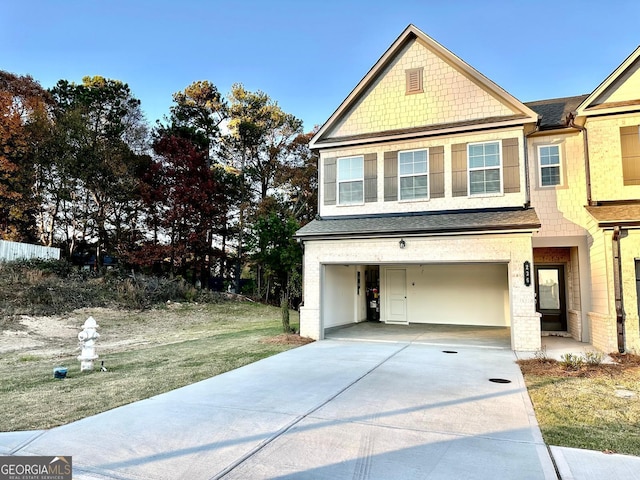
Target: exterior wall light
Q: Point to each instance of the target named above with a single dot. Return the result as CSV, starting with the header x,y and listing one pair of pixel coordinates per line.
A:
x,y
402,243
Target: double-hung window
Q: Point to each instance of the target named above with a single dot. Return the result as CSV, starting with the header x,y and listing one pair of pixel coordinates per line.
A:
x,y
549,164
413,167
485,168
350,180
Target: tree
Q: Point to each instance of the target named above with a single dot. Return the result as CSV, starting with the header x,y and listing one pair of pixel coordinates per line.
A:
x,y
279,254
101,139
186,199
297,179
24,126
200,108
259,144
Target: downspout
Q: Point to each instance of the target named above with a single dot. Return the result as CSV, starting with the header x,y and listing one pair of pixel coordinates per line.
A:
x,y
527,183
587,165
617,287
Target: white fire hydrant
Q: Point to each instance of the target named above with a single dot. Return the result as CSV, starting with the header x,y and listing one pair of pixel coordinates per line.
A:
x,y
88,337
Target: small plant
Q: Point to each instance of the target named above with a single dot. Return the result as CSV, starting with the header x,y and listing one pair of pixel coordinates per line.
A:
x,y
570,361
593,358
541,354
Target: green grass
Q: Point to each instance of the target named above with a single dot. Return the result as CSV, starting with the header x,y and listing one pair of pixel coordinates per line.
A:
x,y
583,411
170,348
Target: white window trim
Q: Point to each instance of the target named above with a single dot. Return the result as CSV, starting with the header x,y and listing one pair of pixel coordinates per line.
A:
x,y
540,166
400,176
338,182
477,169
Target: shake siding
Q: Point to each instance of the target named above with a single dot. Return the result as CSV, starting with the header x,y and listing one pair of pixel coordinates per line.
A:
x,y
330,181
436,172
459,169
511,165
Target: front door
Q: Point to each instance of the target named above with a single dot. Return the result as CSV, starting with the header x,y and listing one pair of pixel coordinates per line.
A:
x,y
550,297
397,295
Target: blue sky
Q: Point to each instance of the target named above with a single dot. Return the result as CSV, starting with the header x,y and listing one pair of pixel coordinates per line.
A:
x,y
309,55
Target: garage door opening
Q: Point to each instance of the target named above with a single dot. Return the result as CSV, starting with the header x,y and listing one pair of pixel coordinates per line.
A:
x,y
473,294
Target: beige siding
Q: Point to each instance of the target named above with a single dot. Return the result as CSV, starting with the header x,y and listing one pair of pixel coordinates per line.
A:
x,y
625,88
449,96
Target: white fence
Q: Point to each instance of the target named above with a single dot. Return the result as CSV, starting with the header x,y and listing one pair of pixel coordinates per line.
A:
x,y
14,251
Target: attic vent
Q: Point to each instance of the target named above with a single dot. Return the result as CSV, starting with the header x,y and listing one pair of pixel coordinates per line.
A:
x,y
414,80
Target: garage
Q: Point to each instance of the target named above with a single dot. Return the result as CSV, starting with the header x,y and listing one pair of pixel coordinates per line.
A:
x,y
453,294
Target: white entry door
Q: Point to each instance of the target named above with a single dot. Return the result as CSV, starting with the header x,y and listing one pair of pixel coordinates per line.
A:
x,y
396,286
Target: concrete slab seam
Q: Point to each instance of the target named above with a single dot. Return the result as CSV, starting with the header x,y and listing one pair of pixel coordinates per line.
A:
x,y
555,464
297,420
27,442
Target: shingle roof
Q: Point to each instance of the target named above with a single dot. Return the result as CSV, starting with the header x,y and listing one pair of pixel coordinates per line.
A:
x,y
451,222
554,112
611,215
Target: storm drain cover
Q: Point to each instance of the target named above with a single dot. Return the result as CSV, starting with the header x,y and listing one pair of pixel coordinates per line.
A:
x,y
499,380
449,351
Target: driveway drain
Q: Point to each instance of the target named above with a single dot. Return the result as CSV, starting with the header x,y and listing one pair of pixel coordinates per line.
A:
x,y
499,380
449,351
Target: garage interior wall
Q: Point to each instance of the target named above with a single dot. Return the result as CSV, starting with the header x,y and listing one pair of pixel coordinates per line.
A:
x,y
460,294
339,295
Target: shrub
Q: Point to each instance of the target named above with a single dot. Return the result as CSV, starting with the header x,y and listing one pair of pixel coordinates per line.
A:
x,y
593,358
570,361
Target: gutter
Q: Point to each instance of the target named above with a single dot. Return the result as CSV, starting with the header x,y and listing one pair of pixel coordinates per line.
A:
x,y
617,287
587,166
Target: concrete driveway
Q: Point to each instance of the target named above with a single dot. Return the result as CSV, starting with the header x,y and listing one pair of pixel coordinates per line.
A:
x,y
333,409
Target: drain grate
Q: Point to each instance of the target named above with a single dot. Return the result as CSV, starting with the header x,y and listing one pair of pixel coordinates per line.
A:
x,y
449,351
499,380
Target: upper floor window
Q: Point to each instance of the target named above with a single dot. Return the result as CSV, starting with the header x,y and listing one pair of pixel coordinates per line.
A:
x,y
485,168
413,167
549,165
630,148
350,180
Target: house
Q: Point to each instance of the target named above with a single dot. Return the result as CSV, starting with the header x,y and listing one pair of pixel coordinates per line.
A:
x,y
459,204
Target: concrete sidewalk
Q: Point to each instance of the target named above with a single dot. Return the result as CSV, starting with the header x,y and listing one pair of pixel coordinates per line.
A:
x,y
331,409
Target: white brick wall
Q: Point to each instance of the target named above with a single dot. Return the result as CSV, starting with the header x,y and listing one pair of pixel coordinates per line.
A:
x,y
511,249
448,202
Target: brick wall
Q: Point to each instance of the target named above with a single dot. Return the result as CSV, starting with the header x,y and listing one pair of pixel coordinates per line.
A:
x,y
513,250
448,202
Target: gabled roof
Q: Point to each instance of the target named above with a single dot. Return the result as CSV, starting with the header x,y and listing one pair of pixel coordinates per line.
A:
x,y
595,104
430,223
521,113
554,113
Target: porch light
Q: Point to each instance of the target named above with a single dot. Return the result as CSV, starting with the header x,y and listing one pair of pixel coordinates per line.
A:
x,y
402,243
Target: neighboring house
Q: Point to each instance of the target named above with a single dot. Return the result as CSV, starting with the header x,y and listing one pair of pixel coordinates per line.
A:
x,y
463,205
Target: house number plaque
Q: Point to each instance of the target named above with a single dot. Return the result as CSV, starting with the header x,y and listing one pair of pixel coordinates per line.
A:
x,y
527,274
